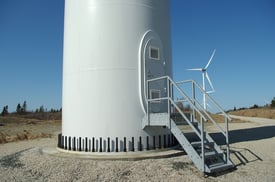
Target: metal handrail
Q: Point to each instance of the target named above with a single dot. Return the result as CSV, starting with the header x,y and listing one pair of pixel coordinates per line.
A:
x,y
196,106
226,116
179,110
168,98
207,95
178,88
210,118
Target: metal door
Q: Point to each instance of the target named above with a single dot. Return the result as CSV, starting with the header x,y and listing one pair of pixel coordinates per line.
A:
x,y
153,64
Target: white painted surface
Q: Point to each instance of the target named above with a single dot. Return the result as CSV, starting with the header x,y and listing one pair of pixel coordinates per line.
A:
x,y
102,65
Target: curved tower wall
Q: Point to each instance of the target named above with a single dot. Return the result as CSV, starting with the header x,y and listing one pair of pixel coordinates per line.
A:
x,y
110,49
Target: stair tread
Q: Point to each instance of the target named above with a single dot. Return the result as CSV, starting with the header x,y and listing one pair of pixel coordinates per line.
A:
x,y
198,143
209,154
221,167
218,164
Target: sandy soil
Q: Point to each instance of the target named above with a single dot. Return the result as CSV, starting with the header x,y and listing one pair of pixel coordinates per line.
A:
x,y
252,151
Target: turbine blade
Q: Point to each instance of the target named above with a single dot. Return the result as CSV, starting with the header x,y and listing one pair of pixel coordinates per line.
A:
x,y
211,91
195,69
210,59
209,81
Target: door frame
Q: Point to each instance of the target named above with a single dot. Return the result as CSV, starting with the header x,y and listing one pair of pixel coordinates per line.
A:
x,y
147,37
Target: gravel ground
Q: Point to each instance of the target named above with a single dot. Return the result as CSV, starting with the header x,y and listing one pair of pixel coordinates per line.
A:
x,y
253,152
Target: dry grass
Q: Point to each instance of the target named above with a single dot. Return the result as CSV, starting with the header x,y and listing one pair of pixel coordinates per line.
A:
x,y
259,112
43,125
220,119
27,127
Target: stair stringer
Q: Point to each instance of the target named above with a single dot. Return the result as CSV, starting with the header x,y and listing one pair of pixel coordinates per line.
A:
x,y
186,145
161,119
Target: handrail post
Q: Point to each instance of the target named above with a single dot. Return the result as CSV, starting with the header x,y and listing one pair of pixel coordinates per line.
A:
x,y
202,143
193,97
168,102
171,95
148,117
227,141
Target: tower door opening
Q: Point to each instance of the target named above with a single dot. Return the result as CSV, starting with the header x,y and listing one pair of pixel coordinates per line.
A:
x,y
153,66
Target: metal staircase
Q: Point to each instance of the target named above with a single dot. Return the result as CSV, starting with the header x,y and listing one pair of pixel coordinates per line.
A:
x,y
207,156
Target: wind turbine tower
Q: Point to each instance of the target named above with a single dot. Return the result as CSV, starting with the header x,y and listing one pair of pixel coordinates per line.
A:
x,y
205,75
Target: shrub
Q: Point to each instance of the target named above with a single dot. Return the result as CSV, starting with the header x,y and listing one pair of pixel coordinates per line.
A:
x,y
273,102
5,111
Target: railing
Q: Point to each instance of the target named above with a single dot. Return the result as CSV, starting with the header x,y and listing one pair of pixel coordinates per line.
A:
x,y
197,109
195,86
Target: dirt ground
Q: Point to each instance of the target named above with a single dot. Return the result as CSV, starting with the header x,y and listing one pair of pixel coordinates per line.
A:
x,y
252,151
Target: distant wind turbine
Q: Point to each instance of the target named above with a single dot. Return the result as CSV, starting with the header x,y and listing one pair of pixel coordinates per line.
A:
x,y
205,75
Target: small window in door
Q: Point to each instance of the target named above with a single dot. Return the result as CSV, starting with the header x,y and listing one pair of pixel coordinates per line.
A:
x,y
155,94
154,53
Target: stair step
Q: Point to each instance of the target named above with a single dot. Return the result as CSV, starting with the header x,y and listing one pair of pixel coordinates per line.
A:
x,y
220,167
217,164
211,154
198,144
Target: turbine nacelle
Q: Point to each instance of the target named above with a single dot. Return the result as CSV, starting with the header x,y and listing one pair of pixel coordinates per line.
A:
x,y
205,75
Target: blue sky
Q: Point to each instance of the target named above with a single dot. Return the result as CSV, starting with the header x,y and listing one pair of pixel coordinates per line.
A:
x,y
242,31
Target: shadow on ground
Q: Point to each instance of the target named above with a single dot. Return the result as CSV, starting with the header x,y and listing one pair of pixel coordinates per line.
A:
x,y
242,135
244,156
